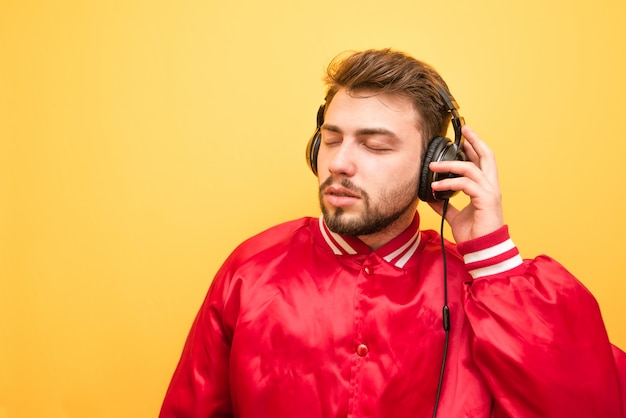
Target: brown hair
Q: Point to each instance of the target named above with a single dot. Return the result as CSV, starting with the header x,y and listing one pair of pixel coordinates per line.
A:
x,y
395,73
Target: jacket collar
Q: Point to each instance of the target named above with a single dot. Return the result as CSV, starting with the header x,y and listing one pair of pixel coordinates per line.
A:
x,y
397,251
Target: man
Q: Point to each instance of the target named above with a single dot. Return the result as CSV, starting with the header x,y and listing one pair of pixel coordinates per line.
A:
x,y
341,316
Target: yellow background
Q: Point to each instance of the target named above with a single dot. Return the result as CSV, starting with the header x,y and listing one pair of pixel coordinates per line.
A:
x,y
142,140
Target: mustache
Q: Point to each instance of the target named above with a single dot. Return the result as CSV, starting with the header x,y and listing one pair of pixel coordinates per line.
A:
x,y
345,183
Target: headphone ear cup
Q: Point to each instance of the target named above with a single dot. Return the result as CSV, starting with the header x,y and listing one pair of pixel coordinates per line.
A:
x,y
439,149
435,149
312,149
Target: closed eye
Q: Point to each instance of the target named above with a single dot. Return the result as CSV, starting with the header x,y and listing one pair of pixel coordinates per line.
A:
x,y
331,140
377,140
376,146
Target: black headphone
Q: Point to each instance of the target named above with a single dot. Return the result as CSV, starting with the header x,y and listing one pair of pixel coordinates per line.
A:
x,y
439,149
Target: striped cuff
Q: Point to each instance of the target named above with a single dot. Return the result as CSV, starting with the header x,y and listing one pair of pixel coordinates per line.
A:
x,y
491,254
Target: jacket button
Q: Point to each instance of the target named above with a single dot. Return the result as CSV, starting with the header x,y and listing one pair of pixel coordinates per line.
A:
x,y
362,350
368,271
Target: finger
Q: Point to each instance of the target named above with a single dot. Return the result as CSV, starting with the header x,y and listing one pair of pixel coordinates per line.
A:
x,y
471,179
478,147
461,168
463,184
469,150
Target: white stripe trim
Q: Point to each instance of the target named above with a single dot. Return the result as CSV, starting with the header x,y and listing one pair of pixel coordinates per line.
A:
x,y
343,243
338,238
506,265
400,250
406,257
327,239
490,252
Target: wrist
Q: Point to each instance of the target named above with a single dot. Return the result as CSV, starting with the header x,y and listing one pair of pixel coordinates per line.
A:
x,y
493,253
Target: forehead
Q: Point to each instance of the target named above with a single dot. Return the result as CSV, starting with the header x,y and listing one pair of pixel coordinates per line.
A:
x,y
365,108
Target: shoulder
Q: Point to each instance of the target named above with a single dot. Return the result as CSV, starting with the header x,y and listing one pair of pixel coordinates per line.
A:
x,y
274,239
261,253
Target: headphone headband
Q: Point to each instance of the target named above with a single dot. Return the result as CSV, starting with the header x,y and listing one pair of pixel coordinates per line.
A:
x,y
453,108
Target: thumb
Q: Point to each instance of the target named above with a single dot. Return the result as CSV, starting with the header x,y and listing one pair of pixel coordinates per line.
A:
x,y
451,211
437,206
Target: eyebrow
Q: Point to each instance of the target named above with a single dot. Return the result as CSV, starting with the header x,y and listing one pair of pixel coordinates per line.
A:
x,y
362,131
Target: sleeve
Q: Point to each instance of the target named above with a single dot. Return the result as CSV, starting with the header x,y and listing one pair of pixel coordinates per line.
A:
x,y
538,336
199,387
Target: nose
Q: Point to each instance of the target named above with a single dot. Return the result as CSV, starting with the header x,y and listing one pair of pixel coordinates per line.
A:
x,y
342,160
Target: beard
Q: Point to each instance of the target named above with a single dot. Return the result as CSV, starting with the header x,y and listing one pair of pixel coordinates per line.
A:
x,y
392,204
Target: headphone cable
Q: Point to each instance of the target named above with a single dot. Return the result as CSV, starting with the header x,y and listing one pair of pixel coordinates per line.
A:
x,y
445,311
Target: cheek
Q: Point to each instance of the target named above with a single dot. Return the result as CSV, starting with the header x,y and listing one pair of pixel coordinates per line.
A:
x,y
400,172
413,168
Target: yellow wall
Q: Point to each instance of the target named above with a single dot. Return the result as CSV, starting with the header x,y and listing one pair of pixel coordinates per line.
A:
x,y
142,140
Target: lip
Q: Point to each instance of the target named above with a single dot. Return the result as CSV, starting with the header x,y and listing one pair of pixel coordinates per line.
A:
x,y
340,196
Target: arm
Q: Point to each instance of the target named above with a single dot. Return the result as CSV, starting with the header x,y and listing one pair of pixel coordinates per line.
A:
x,y
200,384
539,339
538,336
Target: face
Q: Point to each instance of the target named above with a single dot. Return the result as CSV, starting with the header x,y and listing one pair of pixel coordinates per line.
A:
x,y
369,163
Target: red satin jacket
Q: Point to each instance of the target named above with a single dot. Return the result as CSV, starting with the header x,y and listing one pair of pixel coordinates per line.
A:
x,y
302,322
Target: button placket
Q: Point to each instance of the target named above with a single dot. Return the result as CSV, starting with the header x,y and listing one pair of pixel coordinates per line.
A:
x,y
362,349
